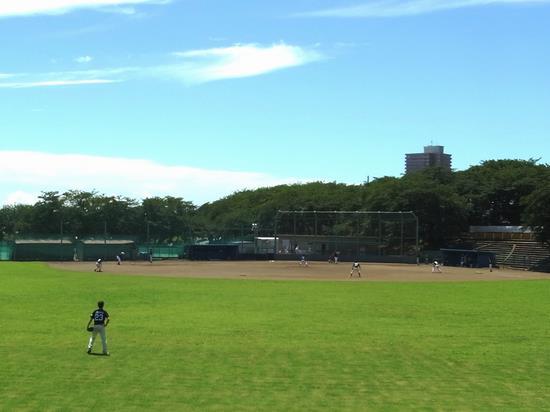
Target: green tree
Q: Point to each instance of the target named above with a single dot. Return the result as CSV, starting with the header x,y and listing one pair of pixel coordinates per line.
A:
x,y
15,220
537,211
494,190
168,219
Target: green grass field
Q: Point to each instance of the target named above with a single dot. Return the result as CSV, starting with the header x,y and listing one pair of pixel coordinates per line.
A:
x,y
194,344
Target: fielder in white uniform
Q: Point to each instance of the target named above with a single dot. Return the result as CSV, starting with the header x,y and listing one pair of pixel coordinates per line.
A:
x,y
355,267
436,267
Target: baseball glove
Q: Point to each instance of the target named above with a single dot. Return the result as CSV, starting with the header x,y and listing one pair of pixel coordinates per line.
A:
x,y
90,329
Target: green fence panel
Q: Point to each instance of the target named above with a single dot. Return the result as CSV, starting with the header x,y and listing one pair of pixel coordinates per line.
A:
x,y
44,251
162,251
6,251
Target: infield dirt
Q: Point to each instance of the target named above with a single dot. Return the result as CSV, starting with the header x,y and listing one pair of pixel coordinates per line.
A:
x,y
292,270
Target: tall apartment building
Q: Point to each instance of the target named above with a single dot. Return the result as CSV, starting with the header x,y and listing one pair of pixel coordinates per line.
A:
x,y
432,156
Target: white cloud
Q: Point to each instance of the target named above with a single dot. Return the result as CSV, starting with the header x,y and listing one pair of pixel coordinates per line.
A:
x,y
397,8
53,83
20,197
192,67
241,60
29,173
71,78
84,59
11,8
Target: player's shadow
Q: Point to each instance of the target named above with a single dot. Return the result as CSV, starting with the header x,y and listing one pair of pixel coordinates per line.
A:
x,y
97,354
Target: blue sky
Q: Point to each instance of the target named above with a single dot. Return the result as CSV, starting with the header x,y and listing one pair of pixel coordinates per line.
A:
x,y
201,98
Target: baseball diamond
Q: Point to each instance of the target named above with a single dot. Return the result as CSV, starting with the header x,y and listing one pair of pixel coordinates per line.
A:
x,y
292,270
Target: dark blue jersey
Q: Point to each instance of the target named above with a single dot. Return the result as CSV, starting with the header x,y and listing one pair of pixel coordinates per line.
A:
x,y
99,316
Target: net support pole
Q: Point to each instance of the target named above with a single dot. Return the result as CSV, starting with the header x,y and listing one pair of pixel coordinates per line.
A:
x,y
379,233
275,236
315,222
402,233
416,240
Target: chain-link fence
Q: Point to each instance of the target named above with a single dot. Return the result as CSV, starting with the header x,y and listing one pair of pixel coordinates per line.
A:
x,y
320,235
349,235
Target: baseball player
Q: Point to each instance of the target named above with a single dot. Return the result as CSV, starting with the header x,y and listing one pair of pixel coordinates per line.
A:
x,y
355,267
98,266
436,267
100,317
120,257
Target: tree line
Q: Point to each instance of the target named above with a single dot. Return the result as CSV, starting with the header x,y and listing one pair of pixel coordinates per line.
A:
x,y
495,192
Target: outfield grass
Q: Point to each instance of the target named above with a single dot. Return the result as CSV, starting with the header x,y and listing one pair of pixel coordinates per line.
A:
x,y
193,344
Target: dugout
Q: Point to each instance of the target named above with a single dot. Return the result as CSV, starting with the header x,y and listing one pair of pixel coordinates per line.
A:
x,y
106,249
213,252
43,250
468,258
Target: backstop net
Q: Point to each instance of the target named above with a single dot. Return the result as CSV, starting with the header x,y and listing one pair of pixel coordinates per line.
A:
x,y
352,235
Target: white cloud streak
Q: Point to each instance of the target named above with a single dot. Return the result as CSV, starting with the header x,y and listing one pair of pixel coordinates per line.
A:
x,y
398,8
53,83
29,173
69,78
14,8
84,59
191,68
241,60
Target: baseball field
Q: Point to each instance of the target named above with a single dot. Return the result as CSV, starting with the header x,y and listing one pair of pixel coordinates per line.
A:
x,y
274,336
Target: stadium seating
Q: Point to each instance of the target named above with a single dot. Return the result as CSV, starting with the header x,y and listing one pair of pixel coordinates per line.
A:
x,y
521,254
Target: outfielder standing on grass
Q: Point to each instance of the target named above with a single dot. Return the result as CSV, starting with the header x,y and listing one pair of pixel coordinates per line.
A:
x,y
100,317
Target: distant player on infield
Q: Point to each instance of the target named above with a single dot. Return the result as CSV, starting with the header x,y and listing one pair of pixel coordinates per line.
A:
x,y
119,258
355,267
98,266
100,317
436,267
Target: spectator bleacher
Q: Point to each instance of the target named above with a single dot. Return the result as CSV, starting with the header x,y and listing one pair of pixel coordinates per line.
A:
x,y
513,246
